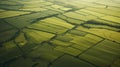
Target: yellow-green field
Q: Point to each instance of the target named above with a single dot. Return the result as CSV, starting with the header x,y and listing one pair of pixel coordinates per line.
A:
x,y
59,33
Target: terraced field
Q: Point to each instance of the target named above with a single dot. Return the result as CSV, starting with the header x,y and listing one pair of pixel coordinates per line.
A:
x,y
59,33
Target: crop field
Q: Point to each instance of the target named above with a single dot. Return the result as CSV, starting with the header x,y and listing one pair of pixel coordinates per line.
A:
x,y
59,33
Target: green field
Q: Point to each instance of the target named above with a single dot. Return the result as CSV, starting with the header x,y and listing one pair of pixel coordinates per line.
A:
x,y
59,33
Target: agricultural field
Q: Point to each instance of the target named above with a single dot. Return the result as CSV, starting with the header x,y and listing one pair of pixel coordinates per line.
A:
x,y
59,33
